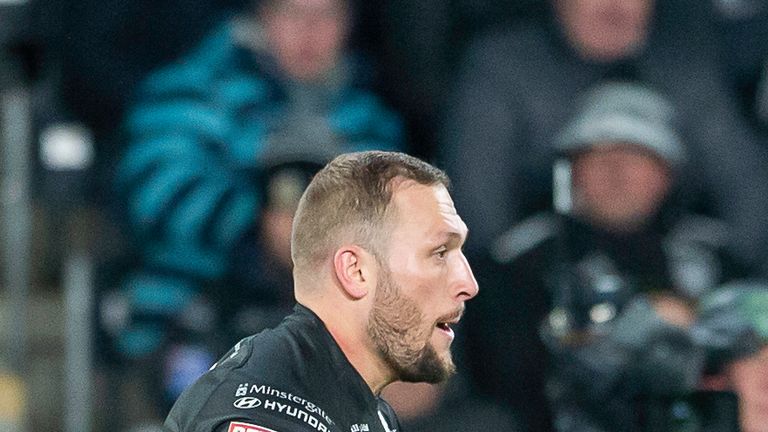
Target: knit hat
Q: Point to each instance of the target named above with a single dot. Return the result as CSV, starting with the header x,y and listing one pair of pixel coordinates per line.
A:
x,y
625,113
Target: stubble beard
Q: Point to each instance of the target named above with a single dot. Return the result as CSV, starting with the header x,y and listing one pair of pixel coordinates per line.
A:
x,y
395,326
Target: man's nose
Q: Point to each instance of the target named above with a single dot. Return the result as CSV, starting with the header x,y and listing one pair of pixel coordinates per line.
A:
x,y
466,284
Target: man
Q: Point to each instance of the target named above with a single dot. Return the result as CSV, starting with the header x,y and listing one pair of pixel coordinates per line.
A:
x,y
519,86
379,277
617,263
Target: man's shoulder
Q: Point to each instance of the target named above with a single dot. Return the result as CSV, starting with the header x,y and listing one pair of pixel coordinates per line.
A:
x,y
700,254
258,379
532,235
273,353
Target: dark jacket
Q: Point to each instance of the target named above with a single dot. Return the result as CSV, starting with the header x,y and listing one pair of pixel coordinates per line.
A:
x,y
549,266
518,87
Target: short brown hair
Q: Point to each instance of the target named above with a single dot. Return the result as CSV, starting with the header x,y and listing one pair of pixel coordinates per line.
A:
x,y
348,201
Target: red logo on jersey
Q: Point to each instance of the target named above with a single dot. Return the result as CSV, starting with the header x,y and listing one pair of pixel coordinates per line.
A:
x,y
247,427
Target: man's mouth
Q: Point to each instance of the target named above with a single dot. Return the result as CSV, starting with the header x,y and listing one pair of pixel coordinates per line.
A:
x,y
445,322
446,329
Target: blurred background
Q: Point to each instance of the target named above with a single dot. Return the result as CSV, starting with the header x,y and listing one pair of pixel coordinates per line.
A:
x,y
152,154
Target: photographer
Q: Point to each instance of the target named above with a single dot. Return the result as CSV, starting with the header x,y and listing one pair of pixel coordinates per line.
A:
x,y
611,280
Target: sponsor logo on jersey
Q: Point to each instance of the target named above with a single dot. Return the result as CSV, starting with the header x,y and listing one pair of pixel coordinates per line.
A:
x,y
265,391
247,427
297,413
306,411
359,427
247,402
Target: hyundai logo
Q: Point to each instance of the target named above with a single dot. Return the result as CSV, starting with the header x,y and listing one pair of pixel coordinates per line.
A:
x,y
247,402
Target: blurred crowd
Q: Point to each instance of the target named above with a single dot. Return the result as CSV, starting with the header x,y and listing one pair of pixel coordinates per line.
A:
x,y
610,158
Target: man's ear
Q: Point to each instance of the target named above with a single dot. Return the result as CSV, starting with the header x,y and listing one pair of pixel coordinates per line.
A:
x,y
354,270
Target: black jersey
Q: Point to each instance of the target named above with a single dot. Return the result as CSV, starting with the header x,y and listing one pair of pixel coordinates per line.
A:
x,y
293,378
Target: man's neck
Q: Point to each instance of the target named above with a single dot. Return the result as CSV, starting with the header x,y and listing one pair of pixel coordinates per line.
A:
x,y
354,342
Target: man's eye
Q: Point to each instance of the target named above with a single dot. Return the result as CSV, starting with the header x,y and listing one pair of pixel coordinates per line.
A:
x,y
441,252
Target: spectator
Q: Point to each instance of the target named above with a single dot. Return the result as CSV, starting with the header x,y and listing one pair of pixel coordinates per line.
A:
x,y
621,257
518,87
417,44
265,257
275,86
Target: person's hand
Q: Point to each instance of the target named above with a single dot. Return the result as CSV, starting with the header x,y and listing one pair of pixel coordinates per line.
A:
x,y
673,310
749,379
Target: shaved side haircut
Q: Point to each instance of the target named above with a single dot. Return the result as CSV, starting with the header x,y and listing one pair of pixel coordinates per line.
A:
x,y
348,201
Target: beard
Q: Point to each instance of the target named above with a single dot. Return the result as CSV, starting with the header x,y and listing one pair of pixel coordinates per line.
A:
x,y
397,328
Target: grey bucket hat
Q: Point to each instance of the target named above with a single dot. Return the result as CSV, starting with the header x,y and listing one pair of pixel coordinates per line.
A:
x,y
628,113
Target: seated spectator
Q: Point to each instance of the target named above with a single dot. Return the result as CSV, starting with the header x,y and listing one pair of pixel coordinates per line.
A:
x,y
518,87
265,256
620,256
276,86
